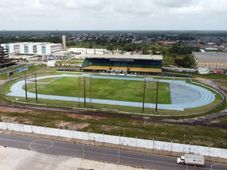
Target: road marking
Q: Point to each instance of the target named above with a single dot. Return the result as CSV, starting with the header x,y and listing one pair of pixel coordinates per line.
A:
x,y
211,167
87,151
96,152
40,144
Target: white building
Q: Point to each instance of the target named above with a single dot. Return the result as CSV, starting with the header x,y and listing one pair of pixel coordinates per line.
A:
x,y
33,48
51,63
211,60
89,51
203,71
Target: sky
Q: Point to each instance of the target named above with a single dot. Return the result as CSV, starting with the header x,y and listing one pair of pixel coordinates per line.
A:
x,y
113,14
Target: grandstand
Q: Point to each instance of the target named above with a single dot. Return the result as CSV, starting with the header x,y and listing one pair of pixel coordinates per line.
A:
x,y
126,64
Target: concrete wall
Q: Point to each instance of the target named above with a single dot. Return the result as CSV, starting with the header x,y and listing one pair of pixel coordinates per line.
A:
x,y
117,140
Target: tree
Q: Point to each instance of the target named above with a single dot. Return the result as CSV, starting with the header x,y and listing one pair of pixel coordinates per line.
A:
x,y
110,47
187,61
182,49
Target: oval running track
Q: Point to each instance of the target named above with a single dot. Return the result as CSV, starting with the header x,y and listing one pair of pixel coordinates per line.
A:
x,y
183,95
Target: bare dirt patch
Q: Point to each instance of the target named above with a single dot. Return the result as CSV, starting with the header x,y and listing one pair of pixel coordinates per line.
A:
x,y
223,85
85,117
2,82
8,119
72,125
109,128
11,110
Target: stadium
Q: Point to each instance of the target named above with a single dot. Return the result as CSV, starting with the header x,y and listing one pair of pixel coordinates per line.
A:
x,y
118,83
123,64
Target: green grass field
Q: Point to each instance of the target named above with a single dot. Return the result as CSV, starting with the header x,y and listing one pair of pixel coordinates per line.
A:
x,y
115,89
123,90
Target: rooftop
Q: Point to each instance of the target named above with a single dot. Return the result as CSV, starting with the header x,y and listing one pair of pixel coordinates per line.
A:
x,y
120,56
34,43
211,57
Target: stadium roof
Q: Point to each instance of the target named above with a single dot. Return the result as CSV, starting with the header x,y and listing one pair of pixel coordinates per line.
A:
x,y
211,57
124,56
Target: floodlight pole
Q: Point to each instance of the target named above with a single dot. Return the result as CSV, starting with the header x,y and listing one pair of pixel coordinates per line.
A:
x,y
36,89
144,89
157,90
84,91
25,86
78,86
90,91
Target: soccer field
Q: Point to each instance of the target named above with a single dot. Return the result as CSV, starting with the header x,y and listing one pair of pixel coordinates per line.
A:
x,y
112,89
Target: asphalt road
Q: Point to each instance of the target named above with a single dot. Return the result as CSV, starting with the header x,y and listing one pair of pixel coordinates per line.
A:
x,y
105,154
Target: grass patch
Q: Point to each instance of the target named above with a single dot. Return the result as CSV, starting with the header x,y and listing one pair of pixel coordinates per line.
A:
x,y
222,84
198,135
121,109
123,90
210,76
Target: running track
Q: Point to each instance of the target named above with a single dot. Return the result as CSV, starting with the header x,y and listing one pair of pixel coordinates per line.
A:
x,y
183,95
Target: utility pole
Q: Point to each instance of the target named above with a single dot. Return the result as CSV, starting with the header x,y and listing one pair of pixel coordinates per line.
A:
x,y
84,91
25,86
157,90
144,90
36,89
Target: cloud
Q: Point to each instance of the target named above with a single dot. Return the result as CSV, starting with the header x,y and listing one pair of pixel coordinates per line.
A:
x,y
113,14
175,3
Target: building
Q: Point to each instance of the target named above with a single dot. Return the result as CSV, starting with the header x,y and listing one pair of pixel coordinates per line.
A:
x,y
51,63
211,60
4,58
32,48
125,64
203,71
88,51
60,55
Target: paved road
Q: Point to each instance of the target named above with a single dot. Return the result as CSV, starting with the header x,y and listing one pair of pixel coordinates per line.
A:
x,y
99,153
